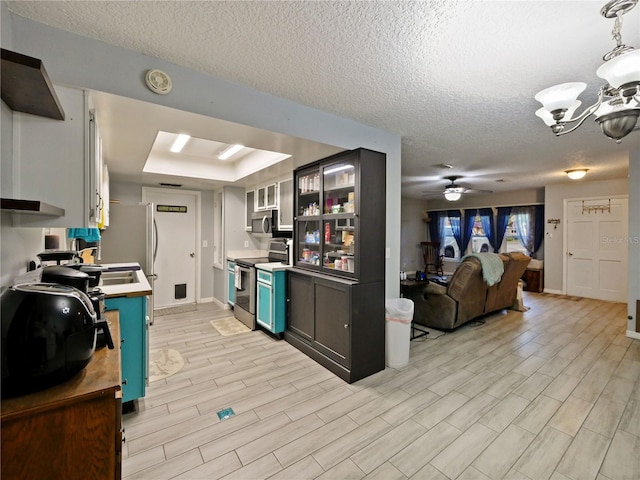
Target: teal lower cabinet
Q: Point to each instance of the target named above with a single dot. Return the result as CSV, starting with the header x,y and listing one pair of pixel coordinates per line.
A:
x,y
271,300
231,275
134,340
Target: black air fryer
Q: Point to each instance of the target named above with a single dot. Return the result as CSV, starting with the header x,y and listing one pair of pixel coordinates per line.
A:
x,y
48,335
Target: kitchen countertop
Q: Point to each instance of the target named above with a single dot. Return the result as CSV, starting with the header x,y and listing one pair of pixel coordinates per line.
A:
x,y
135,289
233,254
272,266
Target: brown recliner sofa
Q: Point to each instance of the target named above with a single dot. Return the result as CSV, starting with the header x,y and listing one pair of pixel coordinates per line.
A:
x,y
467,296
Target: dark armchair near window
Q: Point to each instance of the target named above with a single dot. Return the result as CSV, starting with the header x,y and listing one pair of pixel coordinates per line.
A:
x,y
432,257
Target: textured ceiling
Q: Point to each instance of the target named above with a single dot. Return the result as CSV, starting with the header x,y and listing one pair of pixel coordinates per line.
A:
x,y
455,79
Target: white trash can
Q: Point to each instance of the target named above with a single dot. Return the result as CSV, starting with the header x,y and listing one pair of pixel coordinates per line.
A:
x,y
398,317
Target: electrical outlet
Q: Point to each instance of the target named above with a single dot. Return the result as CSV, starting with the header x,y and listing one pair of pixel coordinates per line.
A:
x,y
387,253
205,244
246,244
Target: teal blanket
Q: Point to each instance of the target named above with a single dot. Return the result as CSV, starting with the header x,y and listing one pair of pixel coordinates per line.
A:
x,y
492,266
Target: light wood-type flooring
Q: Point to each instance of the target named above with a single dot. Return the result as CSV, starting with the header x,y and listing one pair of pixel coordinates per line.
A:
x,y
552,393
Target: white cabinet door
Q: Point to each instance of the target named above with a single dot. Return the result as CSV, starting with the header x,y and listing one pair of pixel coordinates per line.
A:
x,y
261,198
267,197
51,162
250,206
271,200
285,205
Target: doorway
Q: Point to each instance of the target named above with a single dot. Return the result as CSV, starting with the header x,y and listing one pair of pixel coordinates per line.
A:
x,y
597,250
177,264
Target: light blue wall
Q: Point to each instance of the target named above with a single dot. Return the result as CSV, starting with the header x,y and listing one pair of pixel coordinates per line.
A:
x,y
82,62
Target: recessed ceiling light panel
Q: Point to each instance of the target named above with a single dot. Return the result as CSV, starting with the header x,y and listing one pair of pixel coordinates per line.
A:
x,y
229,151
179,143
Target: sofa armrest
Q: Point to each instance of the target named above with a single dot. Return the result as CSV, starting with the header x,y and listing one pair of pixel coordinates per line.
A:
x,y
435,289
433,307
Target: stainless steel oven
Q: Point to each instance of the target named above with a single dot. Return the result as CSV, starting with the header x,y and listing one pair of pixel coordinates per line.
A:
x,y
245,302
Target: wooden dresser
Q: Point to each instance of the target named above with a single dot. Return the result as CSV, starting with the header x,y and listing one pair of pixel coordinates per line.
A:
x,y
72,430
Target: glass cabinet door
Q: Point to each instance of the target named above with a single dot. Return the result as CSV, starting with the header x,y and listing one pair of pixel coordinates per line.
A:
x,y
339,207
339,238
309,245
338,182
308,248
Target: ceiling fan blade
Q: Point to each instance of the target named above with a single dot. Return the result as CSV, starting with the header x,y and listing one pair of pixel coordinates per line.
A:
x,y
474,190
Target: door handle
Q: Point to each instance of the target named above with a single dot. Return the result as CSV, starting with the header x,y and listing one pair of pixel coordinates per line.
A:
x,y
192,254
570,254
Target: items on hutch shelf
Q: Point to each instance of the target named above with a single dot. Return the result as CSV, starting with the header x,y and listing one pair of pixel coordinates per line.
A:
x,y
335,290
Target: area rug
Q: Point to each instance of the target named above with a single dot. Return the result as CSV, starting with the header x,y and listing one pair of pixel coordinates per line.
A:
x,y
229,326
163,363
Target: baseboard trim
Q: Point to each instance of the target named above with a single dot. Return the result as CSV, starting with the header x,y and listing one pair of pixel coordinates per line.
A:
x,y
206,300
222,305
550,290
632,334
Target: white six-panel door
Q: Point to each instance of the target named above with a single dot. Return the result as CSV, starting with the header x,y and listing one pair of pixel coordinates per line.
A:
x,y
597,248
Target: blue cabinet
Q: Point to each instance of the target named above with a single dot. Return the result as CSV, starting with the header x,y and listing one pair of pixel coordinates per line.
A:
x,y
270,301
231,281
134,340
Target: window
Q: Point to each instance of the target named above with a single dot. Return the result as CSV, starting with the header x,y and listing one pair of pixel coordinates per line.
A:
x,y
479,241
450,248
511,242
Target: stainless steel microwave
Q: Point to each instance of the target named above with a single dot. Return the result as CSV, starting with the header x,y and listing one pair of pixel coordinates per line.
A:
x,y
265,224
262,223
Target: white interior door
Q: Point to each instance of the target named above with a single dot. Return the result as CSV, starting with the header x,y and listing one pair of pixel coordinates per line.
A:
x,y
177,255
597,249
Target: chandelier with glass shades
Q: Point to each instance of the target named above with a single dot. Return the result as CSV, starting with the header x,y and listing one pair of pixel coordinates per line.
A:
x,y
618,105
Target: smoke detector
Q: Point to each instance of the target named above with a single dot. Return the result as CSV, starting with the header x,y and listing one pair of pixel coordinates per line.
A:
x,y
158,81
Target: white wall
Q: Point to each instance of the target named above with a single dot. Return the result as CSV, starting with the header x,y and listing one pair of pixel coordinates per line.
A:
x,y
519,197
413,231
555,196
633,324
82,62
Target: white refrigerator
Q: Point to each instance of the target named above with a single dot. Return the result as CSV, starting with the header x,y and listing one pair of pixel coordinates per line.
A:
x,y
131,237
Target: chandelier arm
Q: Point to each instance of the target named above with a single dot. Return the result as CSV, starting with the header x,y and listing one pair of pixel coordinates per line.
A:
x,y
584,115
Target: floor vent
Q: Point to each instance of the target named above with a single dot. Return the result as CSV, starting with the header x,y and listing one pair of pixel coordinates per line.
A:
x,y
188,307
226,413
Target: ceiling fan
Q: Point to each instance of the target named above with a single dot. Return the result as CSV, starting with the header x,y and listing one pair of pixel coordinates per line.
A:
x,y
453,191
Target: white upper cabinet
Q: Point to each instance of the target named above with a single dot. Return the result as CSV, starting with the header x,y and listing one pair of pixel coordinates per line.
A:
x,y
285,204
266,197
58,162
250,206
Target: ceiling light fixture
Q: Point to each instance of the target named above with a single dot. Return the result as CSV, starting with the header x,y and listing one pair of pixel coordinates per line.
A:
x,y
576,173
230,150
618,105
180,142
452,196
453,193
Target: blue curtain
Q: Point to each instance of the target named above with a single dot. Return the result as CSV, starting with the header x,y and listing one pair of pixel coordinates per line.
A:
x,y
436,219
529,223
488,225
467,232
538,231
501,226
454,220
